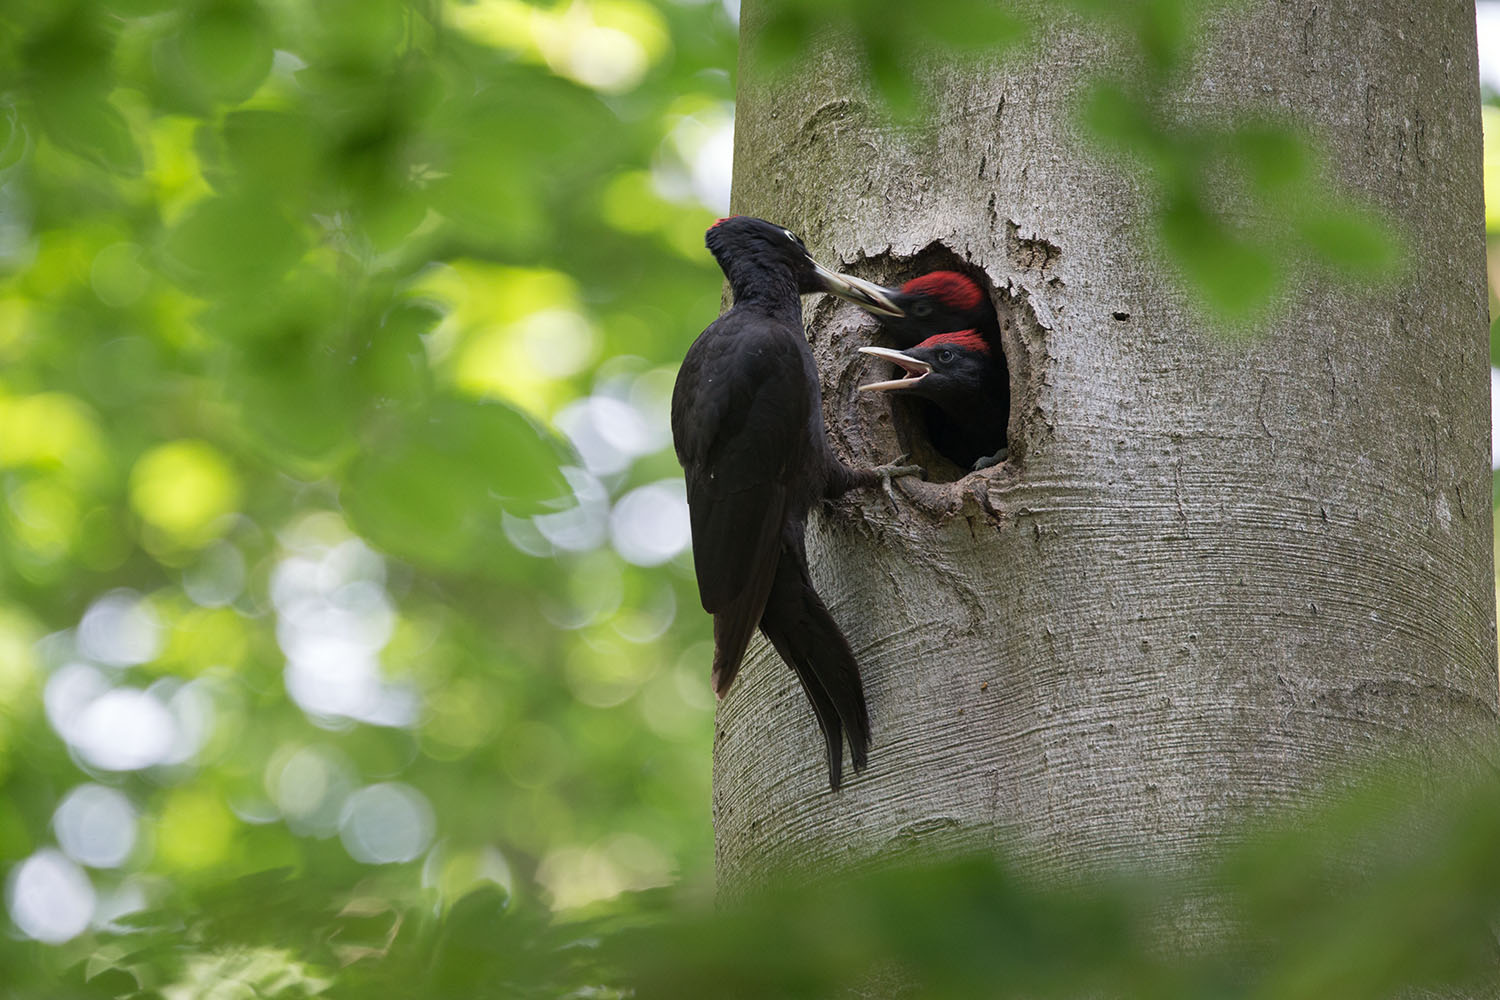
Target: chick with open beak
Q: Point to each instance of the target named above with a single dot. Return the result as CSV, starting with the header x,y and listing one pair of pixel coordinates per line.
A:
x,y
958,377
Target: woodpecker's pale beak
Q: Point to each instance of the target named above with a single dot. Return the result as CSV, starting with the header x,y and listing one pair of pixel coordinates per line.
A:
x,y
865,294
915,370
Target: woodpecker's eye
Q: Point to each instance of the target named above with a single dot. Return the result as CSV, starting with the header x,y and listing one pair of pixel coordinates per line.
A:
x,y
945,356
921,309
790,235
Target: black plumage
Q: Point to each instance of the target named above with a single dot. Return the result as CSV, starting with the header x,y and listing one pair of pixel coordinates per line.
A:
x,y
966,392
747,423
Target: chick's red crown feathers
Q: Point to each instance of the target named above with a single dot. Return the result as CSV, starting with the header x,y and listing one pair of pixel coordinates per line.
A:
x,y
949,287
964,340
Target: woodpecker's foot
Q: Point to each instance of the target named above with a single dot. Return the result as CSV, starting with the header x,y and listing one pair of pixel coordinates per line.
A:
x,y
896,470
989,460
886,473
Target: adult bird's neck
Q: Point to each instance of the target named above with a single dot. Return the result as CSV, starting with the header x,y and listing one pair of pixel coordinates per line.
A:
x,y
770,290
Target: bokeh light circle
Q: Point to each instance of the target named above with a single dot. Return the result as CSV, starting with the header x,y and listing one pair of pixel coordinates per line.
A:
x,y
125,730
49,897
386,823
96,826
120,630
649,525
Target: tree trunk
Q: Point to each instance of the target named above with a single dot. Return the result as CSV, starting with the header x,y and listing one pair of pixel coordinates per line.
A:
x,y
1214,570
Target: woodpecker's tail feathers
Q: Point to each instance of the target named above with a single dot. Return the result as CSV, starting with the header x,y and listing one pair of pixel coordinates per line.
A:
x,y
809,640
822,703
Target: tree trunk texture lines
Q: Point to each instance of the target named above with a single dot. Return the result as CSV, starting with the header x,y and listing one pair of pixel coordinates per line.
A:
x,y
1216,570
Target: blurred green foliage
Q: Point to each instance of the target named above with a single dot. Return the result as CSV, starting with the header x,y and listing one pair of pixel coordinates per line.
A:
x,y
1490,113
894,40
1385,890
1241,203
297,570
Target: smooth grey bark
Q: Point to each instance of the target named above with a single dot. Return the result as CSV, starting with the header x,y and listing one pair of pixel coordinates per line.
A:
x,y
1215,570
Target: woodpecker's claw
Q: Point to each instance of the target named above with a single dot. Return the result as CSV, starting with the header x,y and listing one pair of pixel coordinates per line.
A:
x,y
894,470
989,460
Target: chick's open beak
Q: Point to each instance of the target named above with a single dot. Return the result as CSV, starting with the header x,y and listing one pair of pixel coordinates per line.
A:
x,y
915,370
865,294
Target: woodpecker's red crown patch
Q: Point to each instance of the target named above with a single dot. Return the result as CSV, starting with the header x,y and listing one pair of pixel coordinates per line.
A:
x,y
949,287
964,340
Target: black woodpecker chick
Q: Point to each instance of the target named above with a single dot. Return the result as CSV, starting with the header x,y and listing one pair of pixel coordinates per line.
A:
x,y
954,362
957,374
747,423
934,303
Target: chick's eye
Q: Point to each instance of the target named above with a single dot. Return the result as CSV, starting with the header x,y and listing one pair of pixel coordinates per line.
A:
x,y
945,356
921,309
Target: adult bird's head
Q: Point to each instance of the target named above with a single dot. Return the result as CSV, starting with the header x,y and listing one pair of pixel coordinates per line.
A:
x,y
748,248
944,368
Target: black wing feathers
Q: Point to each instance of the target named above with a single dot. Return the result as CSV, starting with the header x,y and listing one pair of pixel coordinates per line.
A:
x,y
739,419
736,615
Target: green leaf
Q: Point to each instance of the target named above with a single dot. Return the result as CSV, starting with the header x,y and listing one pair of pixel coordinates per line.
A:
x,y
83,122
890,74
138,8
495,162
12,137
432,487
296,408
235,243
783,37
1097,8
271,150
391,364
68,69
368,32
1277,159
1234,276
1117,118
288,357
1167,30
223,50
1350,239
968,25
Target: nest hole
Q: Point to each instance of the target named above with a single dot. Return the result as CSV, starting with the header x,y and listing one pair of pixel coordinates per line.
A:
x,y
959,418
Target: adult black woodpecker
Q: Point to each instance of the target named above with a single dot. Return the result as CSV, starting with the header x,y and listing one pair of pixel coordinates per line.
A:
x,y
747,423
953,361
